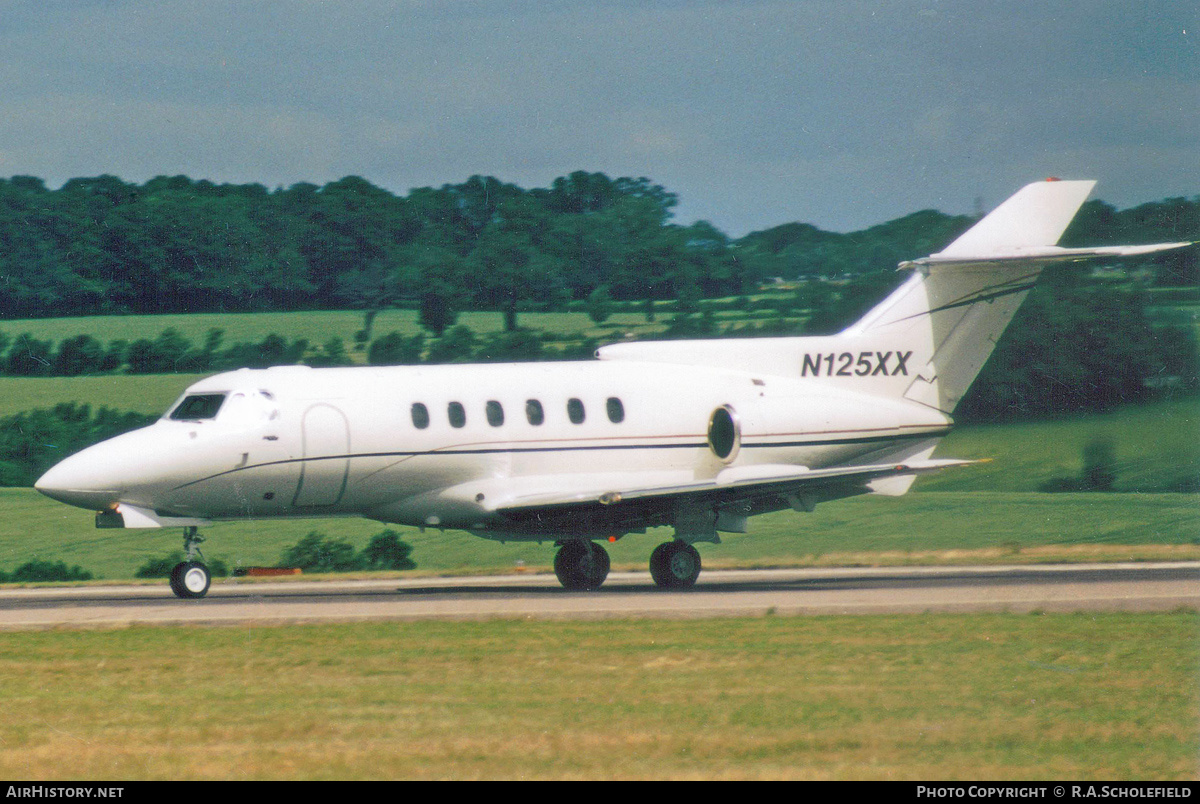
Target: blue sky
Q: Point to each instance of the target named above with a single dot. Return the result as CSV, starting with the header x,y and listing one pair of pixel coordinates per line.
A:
x,y
843,114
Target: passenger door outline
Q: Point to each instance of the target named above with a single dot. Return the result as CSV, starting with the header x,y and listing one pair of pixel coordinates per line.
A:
x,y
325,435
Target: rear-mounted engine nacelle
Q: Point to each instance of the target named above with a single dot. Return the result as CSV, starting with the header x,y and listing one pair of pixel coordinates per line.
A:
x,y
724,433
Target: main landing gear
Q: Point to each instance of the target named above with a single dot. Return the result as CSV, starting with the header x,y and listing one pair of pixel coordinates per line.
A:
x,y
675,565
190,578
582,565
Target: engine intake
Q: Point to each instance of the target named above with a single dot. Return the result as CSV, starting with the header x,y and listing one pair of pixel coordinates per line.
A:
x,y
724,433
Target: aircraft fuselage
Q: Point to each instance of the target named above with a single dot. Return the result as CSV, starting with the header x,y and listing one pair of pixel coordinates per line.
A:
x,y
437,445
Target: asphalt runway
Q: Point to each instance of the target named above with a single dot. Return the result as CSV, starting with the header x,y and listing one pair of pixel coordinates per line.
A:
x,y
1018,589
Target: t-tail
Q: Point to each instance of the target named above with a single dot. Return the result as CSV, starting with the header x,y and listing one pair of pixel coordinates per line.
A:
x,y
929,339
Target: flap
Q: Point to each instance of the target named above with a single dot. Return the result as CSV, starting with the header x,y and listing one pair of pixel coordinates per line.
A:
x,y
732,483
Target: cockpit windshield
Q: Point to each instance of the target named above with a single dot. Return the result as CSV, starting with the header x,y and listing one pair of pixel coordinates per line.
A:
x,y
198,406
236,408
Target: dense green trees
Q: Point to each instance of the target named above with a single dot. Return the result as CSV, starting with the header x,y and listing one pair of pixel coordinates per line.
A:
x,y
1077,345
173,244
101,245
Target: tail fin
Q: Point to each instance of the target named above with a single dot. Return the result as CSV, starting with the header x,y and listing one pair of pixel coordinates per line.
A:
x,y
1036,215
929,339
960,300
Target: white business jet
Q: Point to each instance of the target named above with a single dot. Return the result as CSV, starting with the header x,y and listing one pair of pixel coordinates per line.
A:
x,y
696,435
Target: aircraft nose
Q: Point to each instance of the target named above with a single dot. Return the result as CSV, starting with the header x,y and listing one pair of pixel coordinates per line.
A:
x,y
132,468
80,480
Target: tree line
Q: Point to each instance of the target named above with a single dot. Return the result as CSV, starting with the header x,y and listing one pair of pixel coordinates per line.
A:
x,y
102,245
177,245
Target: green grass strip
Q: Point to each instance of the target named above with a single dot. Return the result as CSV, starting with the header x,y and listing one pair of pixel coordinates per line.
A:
x,y
954,697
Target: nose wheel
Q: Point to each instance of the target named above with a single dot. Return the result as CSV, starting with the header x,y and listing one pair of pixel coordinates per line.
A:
x,y
190,579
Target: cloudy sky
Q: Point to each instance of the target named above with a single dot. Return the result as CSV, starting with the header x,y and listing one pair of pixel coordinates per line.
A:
x,y
755,112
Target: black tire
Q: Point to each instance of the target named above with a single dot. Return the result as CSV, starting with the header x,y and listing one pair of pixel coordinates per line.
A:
x,y
675,565
190,580
177,579
581,565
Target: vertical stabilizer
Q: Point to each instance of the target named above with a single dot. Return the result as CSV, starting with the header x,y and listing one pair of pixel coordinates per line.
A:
x,y
1036,215
961,299
954,309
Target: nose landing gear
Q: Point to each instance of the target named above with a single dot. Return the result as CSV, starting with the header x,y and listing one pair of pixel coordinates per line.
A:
x,y
190,579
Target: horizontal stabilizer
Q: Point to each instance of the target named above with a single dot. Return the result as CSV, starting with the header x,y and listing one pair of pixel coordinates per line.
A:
x,y
1036,255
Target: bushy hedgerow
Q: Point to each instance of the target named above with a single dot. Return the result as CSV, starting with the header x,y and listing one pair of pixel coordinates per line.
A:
x,y
33,441
317,552
37,570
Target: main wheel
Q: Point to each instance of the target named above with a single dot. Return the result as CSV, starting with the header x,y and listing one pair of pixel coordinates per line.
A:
x,y
190,580
581,565
675,565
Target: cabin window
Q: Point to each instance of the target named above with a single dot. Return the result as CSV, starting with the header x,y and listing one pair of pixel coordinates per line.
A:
x,y
495,413
420,416
575,411
198,406
457,414
534,412
616,411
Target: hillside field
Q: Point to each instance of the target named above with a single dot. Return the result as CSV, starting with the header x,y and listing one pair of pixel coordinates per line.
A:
x,y
316,326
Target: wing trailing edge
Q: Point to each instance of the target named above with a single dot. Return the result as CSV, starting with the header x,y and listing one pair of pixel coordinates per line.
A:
x,y
728,486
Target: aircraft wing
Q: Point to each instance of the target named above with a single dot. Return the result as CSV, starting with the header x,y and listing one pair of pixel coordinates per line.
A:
x,y
736,482
620,501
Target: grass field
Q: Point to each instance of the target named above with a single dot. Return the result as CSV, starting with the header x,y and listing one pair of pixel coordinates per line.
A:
x,y
151,393
943,527
953,697
320,325
1156,448
315,326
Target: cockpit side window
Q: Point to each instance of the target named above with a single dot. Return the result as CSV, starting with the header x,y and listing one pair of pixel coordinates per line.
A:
x,y
198,406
